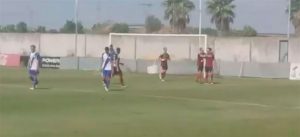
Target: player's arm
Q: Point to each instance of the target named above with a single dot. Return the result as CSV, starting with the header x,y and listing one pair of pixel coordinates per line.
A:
x,y
198,60
40,61
159,58
213,57
29,63
101,62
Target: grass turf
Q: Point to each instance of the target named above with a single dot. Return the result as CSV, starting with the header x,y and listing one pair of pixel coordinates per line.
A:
x,y
74,104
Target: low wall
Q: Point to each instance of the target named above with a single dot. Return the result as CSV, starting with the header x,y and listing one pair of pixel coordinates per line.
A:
x,y
223,68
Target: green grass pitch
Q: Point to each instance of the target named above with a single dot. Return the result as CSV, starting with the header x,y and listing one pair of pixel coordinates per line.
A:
x,y
74,104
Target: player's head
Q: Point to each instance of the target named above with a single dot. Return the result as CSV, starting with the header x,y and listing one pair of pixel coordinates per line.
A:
x,y
111,47
32,48
165,49
118,50
209,49
106,50
201,50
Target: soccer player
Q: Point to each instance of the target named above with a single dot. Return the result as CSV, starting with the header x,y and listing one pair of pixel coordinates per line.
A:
x,y
34,63
117,69
112,54
164,58
200,65
106,68
210,57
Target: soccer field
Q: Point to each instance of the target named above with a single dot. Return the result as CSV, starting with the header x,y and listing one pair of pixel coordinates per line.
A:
x,y
74,104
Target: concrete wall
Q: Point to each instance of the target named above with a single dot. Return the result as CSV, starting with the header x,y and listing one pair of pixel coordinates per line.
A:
x,y
18,43
294,50
265,50
224,68
232,49
241,49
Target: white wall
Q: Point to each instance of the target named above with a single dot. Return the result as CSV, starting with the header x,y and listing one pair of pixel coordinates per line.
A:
x,y
265,50
18,43
294,50
232,49
241,49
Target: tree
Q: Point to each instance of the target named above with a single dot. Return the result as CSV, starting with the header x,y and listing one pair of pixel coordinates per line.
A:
x,y
70,27
222,12
120,28
249,31
152,24
295,15
52,31
102,28
177,12
21,27
9,28
41,29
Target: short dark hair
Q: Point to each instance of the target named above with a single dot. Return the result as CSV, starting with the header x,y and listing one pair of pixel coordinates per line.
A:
x,y
210,49
106,48
33,46
118,48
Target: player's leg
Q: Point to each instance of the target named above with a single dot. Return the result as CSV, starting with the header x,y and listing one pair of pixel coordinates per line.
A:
x,y
33,78
163,74
199,75
211,76
121,78
207,76
107,75
202,79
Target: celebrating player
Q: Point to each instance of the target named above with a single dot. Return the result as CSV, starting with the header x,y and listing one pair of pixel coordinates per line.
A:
x,y
33,66
210,57
200,65
164,58
117,69
106,68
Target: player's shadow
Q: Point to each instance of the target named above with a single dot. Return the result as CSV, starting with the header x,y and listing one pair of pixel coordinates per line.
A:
x,y
43,88
117,89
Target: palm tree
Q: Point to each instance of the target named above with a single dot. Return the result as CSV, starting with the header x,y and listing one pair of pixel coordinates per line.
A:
x,y
177,12
222,12
295,15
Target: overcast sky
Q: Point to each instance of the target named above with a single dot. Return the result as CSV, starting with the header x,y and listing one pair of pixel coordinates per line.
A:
x,y
266,16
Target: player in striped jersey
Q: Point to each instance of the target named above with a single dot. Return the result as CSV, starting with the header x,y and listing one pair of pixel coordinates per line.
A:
x,y
34,64
106,68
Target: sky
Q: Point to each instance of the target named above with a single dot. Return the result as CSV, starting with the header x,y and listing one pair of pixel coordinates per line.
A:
x,y
266,16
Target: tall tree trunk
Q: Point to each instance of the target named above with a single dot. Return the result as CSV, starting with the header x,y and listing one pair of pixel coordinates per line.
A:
x,y
296,23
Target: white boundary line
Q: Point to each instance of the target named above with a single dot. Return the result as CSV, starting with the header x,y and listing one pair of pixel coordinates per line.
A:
x,y
170,97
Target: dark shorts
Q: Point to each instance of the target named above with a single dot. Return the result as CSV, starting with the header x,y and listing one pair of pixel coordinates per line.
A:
x,y
106,73
200,69
208,69
164,67
117,71
33,73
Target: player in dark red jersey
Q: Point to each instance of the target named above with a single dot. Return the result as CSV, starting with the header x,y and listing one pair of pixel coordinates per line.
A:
x,y
164,58
200,65
209,64
116,67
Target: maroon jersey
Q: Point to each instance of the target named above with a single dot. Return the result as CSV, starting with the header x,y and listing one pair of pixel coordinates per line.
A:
x,y
200,60
164,59
210,57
